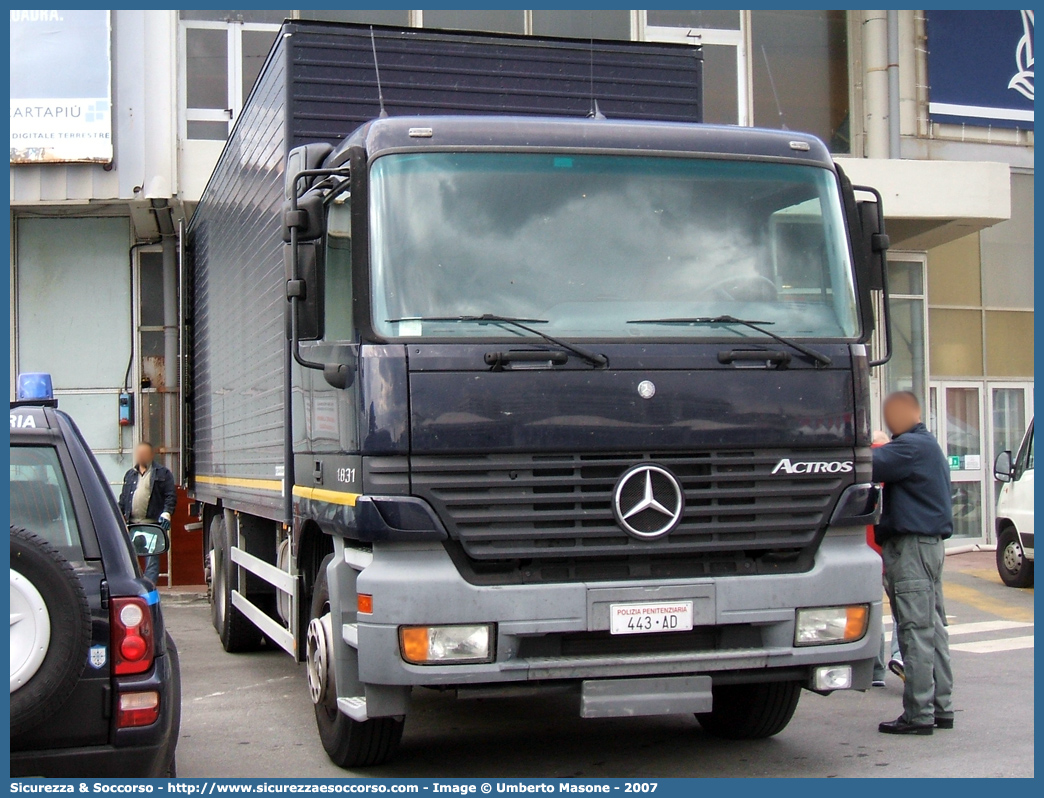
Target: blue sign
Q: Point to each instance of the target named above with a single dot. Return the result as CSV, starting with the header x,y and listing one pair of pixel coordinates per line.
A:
x,y
980,68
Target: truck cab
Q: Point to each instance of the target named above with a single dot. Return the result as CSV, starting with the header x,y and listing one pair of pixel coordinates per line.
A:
x,y
609,409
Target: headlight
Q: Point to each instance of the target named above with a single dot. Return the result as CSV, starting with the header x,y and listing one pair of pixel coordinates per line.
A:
x,y
817,626
429,645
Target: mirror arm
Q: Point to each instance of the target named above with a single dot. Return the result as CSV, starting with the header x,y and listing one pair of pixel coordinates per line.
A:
x,y
879,243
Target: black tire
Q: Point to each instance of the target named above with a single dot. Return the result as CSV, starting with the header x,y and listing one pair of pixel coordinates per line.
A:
x,y
236,631
751,711
70,617
1014,569
171,770
350,743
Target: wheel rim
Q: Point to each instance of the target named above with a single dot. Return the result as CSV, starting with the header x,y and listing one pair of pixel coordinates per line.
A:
x,y
1012,556
317,660
30,630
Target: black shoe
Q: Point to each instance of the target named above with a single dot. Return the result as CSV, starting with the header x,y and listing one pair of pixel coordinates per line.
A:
x,y
901,726
944,723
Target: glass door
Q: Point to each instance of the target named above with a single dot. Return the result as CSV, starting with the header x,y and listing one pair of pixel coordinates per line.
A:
x,y
956,415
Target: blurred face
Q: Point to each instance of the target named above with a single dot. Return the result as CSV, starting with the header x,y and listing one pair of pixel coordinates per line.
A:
x,y
901,413
143,455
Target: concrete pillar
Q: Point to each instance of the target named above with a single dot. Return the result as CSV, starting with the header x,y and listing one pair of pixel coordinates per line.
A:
x,y
893,84
875,83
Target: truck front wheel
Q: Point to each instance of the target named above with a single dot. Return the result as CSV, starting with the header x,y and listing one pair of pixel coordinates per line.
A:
x,y
349,743
751,711
1014,569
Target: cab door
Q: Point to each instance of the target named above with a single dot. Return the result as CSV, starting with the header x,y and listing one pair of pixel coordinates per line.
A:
x,y
1019,501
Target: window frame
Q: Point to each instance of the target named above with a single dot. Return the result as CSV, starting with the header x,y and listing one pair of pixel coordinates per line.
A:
x,y
719,37
234,73
86,542
877,342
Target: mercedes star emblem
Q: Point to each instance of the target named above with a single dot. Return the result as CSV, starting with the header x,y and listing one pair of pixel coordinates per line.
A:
x,y
646,389
648,501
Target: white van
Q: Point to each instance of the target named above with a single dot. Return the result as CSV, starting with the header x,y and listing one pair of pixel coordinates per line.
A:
x,y
1015,514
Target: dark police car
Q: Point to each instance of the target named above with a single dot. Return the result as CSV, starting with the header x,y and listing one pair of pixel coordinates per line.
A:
x,y
95,680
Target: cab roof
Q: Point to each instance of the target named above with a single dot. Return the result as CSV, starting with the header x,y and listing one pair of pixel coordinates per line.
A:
x,y
418,133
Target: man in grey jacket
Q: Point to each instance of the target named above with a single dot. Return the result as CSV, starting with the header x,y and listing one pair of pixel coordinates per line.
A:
x,y
917,517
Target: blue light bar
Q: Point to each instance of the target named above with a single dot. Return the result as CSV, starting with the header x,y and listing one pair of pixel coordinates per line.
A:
x,y
34,387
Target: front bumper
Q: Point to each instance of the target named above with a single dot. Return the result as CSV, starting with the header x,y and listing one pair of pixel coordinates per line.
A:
x,y
750,620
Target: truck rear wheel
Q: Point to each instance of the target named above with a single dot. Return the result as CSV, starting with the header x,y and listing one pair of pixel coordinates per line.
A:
x,y
751,711
235,630
349,743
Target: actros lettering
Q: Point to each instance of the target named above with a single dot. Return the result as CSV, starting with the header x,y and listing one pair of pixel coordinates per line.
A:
x,y
813,467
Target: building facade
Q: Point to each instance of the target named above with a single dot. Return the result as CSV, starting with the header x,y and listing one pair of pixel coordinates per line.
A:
x,y
94,269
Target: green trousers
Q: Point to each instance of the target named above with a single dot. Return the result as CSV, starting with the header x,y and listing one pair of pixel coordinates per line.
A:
x,y
913,567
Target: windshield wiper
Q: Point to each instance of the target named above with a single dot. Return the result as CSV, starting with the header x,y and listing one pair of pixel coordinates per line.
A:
x,y
753,324
594,358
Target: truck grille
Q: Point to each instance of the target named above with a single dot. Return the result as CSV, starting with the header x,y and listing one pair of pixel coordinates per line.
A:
x,y
549,506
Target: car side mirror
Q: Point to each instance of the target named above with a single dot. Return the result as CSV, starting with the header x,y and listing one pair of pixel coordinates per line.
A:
x,y
149,540
1002,467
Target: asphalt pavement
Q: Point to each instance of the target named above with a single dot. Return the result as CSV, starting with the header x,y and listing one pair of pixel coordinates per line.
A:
x,y
250,715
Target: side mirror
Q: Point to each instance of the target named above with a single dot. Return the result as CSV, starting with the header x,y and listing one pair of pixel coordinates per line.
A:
x,y
309,218
1003,471
149,540
309,290
875,243
301,159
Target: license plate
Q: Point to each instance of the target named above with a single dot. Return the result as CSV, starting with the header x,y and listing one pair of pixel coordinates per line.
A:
x,y
661,616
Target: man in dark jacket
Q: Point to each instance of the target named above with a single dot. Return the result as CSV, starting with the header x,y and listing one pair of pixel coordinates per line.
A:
x,y
917,517
148,497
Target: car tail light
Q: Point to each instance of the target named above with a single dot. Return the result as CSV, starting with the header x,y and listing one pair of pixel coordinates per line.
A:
x,y
138,709
132,636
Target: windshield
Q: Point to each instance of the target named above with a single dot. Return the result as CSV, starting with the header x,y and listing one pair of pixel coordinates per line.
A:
x,y
584,246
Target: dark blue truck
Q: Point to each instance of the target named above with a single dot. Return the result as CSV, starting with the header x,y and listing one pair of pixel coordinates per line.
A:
x,y
506,375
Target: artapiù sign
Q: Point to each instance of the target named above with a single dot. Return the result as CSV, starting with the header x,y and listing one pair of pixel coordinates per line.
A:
x,y
61,97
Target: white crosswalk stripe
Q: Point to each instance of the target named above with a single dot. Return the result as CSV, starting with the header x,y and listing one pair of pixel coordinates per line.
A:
x,y
978,627
994,646
985,627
